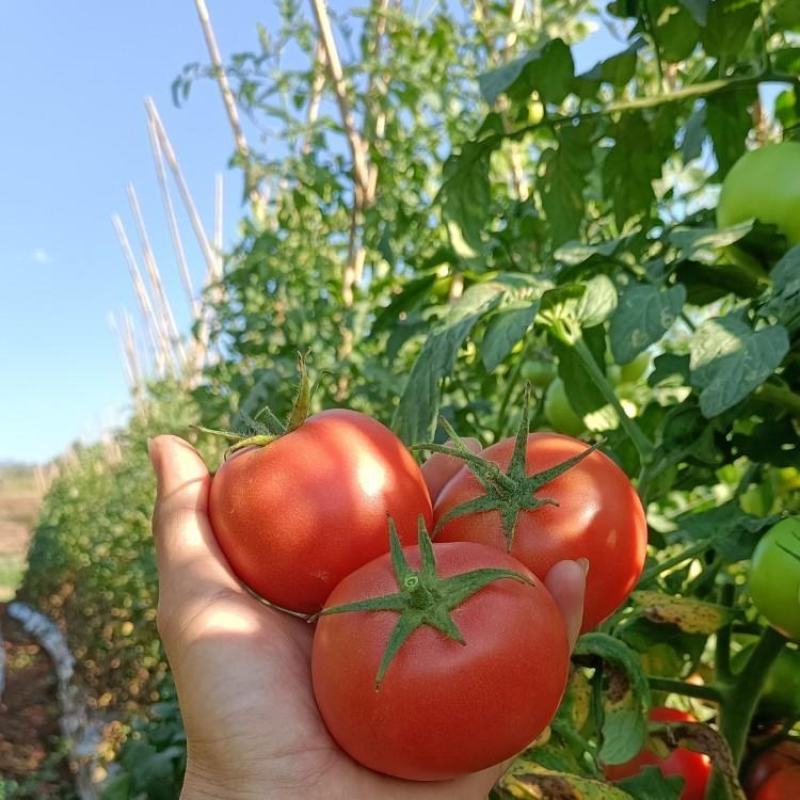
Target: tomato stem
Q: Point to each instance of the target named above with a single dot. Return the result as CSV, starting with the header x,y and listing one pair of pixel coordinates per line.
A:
x,y
674,686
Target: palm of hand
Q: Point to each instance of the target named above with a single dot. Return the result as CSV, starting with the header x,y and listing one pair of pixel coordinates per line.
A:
x,y
242,669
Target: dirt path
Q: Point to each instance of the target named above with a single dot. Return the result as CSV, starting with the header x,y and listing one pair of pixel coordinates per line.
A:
x,y
32,761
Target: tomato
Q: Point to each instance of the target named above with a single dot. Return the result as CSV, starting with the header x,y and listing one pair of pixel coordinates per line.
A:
x,y
782,785
594,513
634,370
442,708
782,755
775,577
295,517
764,184
559,412
780,697
539,373
694,768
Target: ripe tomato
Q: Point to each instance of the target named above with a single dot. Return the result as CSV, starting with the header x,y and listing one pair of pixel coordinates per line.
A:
x,y
442,708
782,785
783,755
694,768
597,516
560,414
295,517
764,184
775,577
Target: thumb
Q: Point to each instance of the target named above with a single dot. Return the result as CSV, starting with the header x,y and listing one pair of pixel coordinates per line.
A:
x,y
191,567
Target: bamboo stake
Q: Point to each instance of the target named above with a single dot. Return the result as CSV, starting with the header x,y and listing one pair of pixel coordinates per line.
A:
x,y
316,95
160,346
172,221
183,188
357,148
130,347
229,101
218,196
161,302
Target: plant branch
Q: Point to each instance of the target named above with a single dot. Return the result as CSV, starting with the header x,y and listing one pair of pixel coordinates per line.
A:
x,y
685,555
674,686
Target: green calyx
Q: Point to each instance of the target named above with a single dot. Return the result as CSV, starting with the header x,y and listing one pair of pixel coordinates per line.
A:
x,y
510,492
265,427
423,598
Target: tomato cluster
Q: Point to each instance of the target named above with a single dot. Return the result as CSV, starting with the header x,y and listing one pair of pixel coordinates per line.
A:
x,y
427,660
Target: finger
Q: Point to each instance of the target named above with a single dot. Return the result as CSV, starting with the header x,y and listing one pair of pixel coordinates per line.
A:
x,y
191,566
440,468
566,581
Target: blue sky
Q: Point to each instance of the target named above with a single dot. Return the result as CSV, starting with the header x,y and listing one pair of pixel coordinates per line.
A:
x,y
73,136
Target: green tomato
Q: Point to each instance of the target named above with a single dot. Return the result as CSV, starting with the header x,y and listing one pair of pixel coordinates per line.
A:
x,y
780,697
539,373
633,370
559,412
775,577
764,184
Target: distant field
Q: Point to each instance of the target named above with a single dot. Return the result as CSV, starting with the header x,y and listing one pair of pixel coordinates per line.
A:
x,y
20,498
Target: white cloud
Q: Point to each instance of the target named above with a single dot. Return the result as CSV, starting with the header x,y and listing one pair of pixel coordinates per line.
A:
x,y
41,256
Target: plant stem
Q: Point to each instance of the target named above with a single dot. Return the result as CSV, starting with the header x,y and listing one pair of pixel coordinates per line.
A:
x,y
722,654
684,555
640,441
779,396
675,686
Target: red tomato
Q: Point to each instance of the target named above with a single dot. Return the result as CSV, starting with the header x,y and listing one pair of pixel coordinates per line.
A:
x,y
783,755
295,517
781,785
598,516
694,768
443,708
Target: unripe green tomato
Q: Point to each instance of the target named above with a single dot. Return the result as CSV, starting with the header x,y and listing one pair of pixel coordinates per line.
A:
x,y
775,577
614,374
559,412
633,370
539,373
764,184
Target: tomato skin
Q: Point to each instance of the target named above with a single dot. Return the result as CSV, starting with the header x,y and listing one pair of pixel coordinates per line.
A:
x,y
774,581
782,785
694,768
540,373
558,411
598,516
443,709
764,184
783,755
295,517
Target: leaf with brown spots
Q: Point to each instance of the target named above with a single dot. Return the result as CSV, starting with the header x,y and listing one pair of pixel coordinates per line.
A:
x,y
537,783
691,616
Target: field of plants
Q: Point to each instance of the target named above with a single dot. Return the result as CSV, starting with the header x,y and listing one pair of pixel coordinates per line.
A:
x,y
468,236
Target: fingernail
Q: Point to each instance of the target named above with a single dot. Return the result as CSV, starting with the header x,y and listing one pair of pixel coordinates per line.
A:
x,y
583,563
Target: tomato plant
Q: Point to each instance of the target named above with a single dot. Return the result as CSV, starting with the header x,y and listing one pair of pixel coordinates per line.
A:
x,y
295,516
552,498
539,373
775,577
764,184
780,695
430,663
694,768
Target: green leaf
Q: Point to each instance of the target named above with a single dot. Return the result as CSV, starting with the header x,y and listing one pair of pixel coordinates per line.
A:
x,y
505,329
652,784
728,27
415,417
698,9
671,367
784,302
626,703
617,70
678,34
562,185
547,70
645,313
694,134
584,397
466,193
786,14
703,244
630,167
598,302
729,360
729,121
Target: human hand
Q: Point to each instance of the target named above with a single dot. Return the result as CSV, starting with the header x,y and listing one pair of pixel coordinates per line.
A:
x,y
243,670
